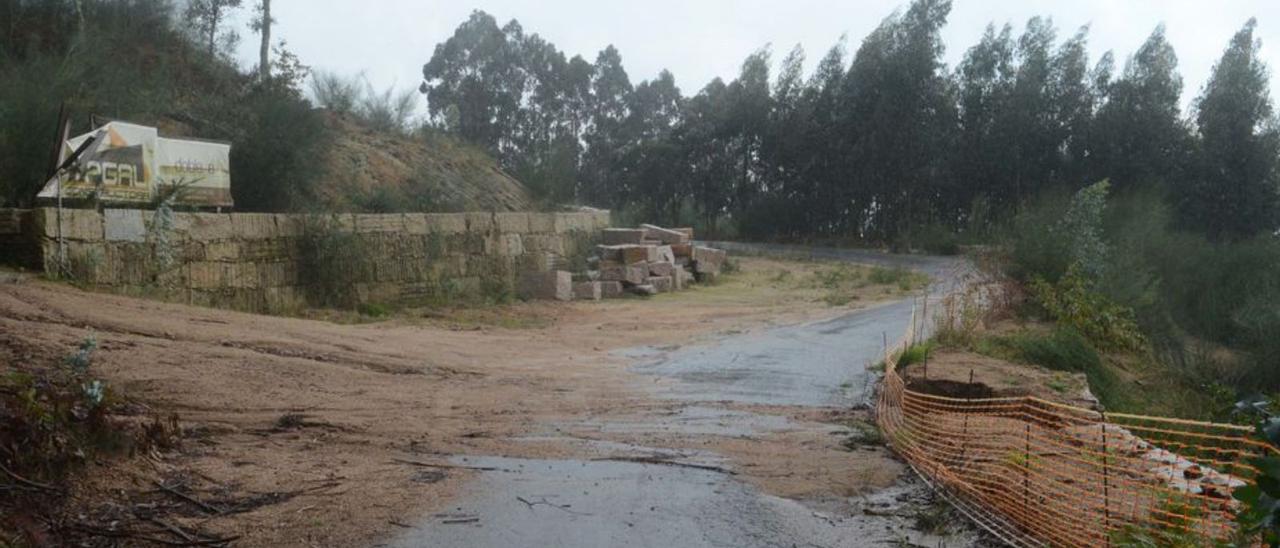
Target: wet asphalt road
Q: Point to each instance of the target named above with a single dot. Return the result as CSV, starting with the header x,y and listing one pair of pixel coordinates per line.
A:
x,y
575,503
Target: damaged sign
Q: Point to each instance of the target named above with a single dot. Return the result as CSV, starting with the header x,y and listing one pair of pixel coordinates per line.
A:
x,y
131,164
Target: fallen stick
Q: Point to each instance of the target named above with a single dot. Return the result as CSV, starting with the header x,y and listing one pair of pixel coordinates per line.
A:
x,y
203,505
144,537
452,466
561,507
666,462
172,529
460,520
29,483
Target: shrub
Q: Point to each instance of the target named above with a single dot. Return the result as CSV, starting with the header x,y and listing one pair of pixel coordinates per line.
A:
x,y
917,353
1261,499
278,146
1081,228
961,317
883,275
331,260
1073,303
56,418
373,310
334,92
1063,350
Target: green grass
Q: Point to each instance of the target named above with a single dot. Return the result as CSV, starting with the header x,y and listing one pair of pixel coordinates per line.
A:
x,y
1122,382
841,282
917,353
373,310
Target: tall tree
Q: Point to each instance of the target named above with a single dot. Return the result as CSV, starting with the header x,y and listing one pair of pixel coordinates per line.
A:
x,y
748,116
208,17
604,138
1074,102
1138,136
984,82
1238,194
899,113
262,24
823,165
476,73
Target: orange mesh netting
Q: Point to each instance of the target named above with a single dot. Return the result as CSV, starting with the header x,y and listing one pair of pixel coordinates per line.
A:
x,y
1038,473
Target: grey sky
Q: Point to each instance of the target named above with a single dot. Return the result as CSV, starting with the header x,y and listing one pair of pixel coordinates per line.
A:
x,y
390,40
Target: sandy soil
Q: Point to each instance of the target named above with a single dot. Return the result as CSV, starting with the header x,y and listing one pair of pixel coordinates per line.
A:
x,y
418,387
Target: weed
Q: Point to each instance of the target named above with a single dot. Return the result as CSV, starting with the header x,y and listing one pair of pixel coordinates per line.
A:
x,y
80,360
1058,384
957,326
1173,526
917,353
863,434
57,418
883,276
934,519
331,259
1062,350
373,310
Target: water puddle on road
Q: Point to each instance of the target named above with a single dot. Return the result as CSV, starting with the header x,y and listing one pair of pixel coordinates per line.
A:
x,y
626,494
585,503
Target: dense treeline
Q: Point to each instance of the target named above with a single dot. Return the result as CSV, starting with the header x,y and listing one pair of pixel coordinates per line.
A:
x,y
877,146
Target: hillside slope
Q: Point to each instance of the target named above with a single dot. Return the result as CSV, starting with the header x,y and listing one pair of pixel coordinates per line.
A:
x,y
369,170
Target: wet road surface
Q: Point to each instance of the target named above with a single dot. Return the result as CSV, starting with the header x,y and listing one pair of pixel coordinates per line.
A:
x,y
686,498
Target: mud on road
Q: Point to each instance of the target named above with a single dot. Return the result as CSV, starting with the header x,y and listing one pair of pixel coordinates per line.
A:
x,y
721,419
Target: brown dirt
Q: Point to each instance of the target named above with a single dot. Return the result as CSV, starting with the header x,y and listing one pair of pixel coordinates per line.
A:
x,y
414,387
948,373
458,177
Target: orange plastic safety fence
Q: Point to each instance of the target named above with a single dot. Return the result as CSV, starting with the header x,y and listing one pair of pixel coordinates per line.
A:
x,y
1039,473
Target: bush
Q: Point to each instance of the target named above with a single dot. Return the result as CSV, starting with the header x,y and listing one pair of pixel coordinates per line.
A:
x,y
882,275
277,154
54,419
961,316
387,111
1062,350
331,260
336,93
1073,303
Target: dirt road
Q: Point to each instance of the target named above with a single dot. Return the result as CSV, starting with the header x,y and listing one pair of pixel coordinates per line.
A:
x,y
713,418
746,454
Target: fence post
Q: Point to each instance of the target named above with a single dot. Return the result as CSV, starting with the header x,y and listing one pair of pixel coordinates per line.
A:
x,y
924,317
1026,470
1106,486
964,433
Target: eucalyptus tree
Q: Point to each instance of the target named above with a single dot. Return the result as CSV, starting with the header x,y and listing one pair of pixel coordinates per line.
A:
x,y
1138,136
1238,191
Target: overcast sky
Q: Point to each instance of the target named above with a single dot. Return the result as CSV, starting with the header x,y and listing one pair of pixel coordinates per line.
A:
x,y
390,40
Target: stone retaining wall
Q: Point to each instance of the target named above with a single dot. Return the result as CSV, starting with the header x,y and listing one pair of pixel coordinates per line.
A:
x,y
278,263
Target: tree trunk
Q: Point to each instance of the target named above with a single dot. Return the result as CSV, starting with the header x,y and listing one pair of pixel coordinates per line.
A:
x,y
264,59
214,17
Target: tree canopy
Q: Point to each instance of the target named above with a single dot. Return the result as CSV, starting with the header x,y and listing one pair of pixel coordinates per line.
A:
x,y
871,146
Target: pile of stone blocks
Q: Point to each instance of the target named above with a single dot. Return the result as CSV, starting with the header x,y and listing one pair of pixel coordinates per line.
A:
x,y
647,260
